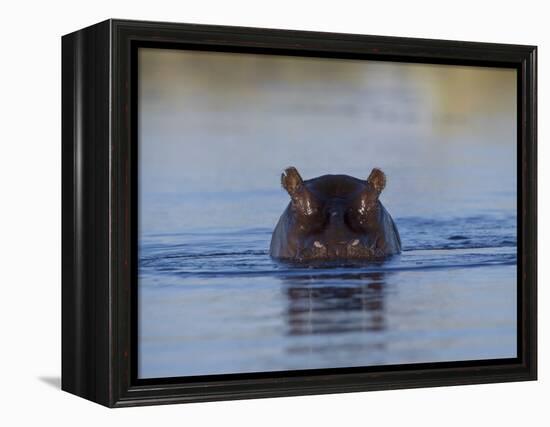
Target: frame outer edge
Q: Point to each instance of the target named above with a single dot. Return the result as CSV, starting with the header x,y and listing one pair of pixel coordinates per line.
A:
x,y
85,218
532,208
528,152
107,331
70,345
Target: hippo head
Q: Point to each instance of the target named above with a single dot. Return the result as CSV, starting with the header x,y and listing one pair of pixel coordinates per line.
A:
x,y
334,217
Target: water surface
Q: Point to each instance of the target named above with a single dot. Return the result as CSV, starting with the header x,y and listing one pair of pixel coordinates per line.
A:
x,y
214,302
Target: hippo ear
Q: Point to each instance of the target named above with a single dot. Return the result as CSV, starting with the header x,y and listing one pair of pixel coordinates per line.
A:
x,y
369,196
291,180
377,179
303,201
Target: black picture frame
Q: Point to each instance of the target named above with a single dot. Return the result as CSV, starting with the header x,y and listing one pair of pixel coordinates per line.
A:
x,y
99,174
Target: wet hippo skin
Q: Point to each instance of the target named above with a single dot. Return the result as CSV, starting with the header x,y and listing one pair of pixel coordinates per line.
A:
x,y
334,217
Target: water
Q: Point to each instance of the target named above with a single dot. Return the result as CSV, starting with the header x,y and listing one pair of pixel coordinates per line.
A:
x,y
215,132
215,302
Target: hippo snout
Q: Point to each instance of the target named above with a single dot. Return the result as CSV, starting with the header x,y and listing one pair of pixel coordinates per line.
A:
x,y
350,249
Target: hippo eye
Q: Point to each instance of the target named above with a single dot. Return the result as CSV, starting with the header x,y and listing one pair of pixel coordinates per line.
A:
x,y
311,220
359,215
354,220
365,203
364,207
306,206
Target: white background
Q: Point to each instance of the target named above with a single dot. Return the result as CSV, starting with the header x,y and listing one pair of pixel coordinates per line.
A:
x,y
30,184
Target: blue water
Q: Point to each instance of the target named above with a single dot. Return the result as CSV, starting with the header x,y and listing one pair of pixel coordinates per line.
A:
x,y
213,301
215,132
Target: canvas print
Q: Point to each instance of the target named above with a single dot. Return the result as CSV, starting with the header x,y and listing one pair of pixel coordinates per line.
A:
x,y
300,213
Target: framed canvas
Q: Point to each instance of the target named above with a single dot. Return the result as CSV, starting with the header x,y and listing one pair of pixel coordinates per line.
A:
x,y
256,213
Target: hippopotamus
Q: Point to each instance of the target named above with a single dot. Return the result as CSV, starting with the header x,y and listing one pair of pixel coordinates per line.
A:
x,y
334,217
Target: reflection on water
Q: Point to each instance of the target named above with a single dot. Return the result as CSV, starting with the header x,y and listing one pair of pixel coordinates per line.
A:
x,y
349,303
213,301
215,132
